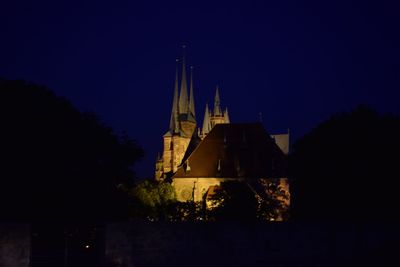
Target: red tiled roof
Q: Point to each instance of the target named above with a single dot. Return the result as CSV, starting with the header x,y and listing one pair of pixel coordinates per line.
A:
x,y
235,150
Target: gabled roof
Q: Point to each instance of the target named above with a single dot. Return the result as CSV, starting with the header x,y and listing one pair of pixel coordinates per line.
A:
x,y
236,151
193,144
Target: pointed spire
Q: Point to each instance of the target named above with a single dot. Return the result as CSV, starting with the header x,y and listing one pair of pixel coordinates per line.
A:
x,y
206,122
191,99
183,97
217,108
174,123
226,116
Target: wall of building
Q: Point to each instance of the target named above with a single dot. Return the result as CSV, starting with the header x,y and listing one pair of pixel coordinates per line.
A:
x,y
187,188
167,154
184,187
282,140
242,244
188,128
14,245
217,120
180,145
174,151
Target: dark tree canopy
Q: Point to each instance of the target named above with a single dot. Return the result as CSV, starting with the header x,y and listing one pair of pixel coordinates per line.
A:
x,y
347,168
58,163
235,201
262,200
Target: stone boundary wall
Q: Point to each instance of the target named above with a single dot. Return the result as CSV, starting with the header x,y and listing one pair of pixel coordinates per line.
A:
x,y
14,245
142,243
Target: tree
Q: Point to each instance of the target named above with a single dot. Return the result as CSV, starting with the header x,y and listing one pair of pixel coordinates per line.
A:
x,y
156,201
153,200
260,199
346,168
57,162
275,201
233,201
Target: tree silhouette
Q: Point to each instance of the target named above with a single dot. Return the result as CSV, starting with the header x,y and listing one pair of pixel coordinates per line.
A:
x,y
347,168
58,163
261,199
233,201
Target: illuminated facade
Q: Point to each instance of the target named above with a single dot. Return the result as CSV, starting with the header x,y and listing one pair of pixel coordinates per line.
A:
x,y
197,161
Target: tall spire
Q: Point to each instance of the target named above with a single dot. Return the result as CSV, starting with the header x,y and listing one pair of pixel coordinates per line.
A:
x,y
191,99
183,97
174,123
226,116
217,108
206,122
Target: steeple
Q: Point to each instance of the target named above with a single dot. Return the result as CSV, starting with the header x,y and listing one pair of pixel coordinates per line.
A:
x,y
183,97
206,122
191,99
226,116
174,123
217,108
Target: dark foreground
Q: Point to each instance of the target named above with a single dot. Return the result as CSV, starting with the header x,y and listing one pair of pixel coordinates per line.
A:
x,y
199,244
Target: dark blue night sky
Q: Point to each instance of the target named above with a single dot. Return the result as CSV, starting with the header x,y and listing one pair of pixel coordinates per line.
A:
x,y
297,62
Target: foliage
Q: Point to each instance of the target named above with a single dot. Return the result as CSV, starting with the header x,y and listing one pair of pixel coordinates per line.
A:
x,y
235,202
249,200
186,211
346,168
273,205
58,163
153,193
156,201
153,200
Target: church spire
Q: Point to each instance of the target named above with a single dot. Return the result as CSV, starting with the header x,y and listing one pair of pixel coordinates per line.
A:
x,y
217,108
206,122
174,123
191,99
226,116
183,97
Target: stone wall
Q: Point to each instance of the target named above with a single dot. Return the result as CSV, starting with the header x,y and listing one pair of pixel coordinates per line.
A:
x,y
14,245
184,187
188,188
235,244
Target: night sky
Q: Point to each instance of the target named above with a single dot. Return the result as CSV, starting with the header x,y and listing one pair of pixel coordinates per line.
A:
x,y
297,62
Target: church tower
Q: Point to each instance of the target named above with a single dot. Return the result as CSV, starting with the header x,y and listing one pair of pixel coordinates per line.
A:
x,y
182,125
212,118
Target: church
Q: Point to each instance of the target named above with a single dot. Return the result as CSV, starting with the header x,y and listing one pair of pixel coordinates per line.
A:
x,y
196,160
